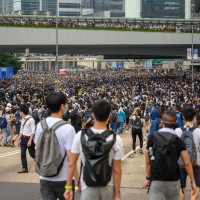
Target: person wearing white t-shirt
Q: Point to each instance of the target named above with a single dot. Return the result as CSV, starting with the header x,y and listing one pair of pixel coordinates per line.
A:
x,y
54,187
189,120
101,110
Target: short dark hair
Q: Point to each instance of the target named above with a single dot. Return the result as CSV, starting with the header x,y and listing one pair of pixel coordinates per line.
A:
x,y
169,118
24,108
89,105
101,110
55,100
189,113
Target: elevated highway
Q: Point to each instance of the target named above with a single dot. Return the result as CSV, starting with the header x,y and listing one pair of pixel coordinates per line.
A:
x,y
97,42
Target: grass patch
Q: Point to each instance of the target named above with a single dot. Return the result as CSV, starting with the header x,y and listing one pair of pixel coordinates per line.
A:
x,y
93,28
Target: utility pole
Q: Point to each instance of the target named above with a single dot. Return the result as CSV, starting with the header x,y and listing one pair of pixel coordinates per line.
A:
x,y
192,60
56,67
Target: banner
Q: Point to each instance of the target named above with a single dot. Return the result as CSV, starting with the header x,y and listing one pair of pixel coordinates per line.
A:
x,y
195,54
6,72
189,53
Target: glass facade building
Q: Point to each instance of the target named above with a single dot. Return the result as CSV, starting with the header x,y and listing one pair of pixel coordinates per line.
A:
x,y
49,5
197,6
25,7
104,8
28,7
174,9
69,8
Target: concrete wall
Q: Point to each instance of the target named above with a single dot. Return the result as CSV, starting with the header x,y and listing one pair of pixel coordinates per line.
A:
x,y
38,36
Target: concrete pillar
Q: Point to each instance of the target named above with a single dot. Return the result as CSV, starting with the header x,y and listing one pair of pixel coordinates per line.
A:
x,y
49,66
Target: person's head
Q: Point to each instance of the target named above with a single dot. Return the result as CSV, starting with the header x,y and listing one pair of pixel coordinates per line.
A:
x,y
89,106
56,101
7,109
101,110
23,110
189,114
9,105
138,111
169,119
70,107
45,107
37,106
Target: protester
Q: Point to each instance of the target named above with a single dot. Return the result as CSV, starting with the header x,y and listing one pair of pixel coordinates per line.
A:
x,y
162,153
111,190
138,123
53,187
189,117
7,132
27,132
122,120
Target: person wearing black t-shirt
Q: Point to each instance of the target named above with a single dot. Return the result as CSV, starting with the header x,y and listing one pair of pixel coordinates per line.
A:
x,y
160,187
75,119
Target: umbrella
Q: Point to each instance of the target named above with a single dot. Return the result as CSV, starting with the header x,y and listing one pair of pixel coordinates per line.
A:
x,y
62,73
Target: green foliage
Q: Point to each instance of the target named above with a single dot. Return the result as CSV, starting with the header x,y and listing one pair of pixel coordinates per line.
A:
x,y
9,60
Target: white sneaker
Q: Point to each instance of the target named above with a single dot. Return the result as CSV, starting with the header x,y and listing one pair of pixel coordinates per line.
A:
x,y
133,154
141,151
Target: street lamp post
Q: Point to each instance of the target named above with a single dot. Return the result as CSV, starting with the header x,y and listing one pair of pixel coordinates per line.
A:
x,y
192,60
56,67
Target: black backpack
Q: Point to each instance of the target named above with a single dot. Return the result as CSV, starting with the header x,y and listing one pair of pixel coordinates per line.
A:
x,y
97,171
65,116
163,156
17,119
147,117
45,114
35,116
79,118
137,123
114,117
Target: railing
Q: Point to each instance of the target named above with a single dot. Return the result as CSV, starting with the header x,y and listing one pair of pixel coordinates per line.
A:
x,y
95,23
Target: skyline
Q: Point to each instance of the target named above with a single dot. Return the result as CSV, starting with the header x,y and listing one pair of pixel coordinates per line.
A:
x,y
103,8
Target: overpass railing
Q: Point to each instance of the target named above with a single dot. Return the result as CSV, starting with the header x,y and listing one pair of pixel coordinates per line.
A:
x,y
98,23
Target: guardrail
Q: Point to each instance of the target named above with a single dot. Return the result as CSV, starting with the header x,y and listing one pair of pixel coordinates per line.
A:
x,y
107,20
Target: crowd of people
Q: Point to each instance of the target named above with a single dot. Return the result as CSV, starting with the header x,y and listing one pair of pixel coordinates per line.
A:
x,y
99,100
124,89
128,26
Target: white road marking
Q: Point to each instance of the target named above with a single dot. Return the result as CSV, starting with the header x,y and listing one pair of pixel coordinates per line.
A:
x,y
3,155
130,152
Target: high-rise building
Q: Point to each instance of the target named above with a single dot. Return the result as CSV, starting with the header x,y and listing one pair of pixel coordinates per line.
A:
x,y
69,8
48,5
197,6
25,7
183,9
133,8
163,9
103,8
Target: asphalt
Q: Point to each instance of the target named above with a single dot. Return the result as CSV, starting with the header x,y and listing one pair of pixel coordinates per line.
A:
x,y
131,185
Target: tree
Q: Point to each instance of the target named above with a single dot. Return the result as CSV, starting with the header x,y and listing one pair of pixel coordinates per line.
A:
x,y
9,60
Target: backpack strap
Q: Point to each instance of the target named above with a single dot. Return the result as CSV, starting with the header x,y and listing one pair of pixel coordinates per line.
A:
x,y
58,124
105,134
44,124
54,127
26,121
190,129
88,132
